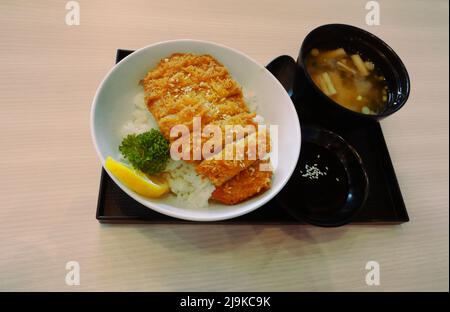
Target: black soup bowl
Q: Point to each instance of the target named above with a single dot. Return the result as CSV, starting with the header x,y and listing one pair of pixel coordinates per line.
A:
x,y
370,47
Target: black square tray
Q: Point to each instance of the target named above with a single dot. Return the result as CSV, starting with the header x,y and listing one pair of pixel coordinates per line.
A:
x,y
384,205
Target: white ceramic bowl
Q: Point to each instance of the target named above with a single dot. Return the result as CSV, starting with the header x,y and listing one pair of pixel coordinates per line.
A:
x,y
113,105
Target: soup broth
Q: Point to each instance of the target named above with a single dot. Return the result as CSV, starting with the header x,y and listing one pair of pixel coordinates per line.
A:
x,y
349,80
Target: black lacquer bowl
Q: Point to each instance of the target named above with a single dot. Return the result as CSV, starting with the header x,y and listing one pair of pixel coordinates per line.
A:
x,y
330,181
356,40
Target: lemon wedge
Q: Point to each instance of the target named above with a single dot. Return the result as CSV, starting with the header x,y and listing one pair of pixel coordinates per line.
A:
x,y
149,187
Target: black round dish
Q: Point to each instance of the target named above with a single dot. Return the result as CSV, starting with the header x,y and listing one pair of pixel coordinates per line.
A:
x,y
354,39
332,195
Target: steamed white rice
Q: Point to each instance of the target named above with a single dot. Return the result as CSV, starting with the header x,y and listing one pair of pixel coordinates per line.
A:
x,y
141,121
191,190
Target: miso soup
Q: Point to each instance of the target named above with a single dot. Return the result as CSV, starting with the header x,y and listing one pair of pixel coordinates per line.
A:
x,y
349,80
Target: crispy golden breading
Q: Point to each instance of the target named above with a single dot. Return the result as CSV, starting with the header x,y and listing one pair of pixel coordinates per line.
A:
x,y
184,86
185,80
176,98
203,66
234,158
245,120
206,111
215,141
248,183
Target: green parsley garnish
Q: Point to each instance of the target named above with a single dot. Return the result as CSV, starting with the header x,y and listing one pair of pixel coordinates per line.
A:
x,y
147,152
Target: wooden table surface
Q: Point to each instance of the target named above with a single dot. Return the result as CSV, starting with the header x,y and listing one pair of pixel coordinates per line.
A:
x,y
50,171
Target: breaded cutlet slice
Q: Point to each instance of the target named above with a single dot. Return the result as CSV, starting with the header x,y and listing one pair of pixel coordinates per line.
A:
x,y
244,120
208,113
234,158
171,106
215,141
175,97
248,183
187,75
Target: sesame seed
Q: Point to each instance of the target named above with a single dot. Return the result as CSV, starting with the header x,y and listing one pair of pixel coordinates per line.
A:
x,y
312,172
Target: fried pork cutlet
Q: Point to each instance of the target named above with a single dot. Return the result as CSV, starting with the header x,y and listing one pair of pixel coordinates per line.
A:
x,y
184,86
248,183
